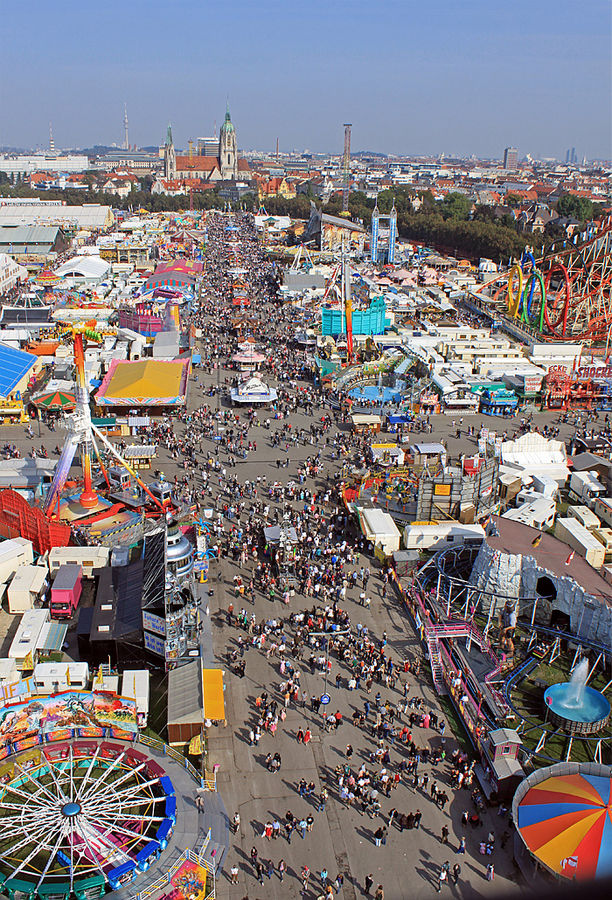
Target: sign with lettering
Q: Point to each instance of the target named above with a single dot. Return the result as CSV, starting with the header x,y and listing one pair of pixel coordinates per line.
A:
x,y
595,372
151,622
155,644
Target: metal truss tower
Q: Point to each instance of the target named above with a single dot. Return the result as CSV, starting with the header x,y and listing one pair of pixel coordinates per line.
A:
x,y
346,168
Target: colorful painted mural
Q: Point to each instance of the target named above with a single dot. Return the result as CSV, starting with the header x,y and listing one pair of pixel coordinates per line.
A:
x,y
188,882
72,709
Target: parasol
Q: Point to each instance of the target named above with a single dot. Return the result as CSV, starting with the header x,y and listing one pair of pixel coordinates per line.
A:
x,y
55,400
566,821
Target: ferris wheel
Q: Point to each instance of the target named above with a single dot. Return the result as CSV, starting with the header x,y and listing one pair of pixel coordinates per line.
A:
x,y
69,813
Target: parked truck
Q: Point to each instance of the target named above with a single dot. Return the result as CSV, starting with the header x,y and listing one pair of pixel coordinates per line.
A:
x,y
66,591
585,487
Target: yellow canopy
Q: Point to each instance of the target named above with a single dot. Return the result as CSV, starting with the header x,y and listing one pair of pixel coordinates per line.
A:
x,y
212,694
145,379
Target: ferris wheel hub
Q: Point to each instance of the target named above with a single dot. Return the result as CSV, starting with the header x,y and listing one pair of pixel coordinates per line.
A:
x,y
71,809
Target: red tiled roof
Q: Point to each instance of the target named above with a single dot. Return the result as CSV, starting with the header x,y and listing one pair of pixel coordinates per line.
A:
x,y
196,163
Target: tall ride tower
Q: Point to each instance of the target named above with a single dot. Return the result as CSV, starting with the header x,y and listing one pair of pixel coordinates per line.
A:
x,y
384,236
346,168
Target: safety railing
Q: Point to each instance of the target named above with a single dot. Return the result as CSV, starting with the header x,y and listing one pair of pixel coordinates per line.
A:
x,y
186,856
208,781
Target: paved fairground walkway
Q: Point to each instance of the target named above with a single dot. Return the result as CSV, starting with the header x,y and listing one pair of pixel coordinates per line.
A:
x,y
342,778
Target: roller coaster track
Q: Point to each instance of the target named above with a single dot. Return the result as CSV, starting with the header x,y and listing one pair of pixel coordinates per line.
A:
x,y
574,283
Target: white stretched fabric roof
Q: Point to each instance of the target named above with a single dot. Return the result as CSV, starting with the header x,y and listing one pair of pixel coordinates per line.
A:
x,y
84,267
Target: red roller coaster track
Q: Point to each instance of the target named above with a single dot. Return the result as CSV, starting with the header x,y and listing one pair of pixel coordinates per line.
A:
x,y
578,287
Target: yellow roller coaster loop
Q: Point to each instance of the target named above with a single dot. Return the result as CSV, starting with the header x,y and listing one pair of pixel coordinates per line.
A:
x,y
514,300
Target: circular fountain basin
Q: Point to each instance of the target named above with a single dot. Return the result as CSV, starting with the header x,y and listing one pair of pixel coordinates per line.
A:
x,y
585,717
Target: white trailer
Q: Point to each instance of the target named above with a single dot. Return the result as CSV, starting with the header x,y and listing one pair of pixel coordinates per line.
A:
x,y
52,677
27,638
575,535
135,685
585,516
603,508
537,513
28,587
88,558
14,553
440,535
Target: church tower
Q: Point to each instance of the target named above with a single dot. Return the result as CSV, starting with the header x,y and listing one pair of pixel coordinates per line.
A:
x,y
228,154
169,156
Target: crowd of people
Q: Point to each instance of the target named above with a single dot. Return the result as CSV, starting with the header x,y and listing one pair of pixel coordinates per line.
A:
x,y
315,571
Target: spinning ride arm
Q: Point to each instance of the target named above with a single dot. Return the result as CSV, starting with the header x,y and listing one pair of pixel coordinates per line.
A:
x,y
61,473
126,466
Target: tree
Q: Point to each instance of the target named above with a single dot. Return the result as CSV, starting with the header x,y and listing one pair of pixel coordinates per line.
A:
x,y
456,206
513,200
575,207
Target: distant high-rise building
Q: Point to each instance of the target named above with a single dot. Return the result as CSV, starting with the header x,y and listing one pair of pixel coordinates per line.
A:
x,y
126,138
208,146
510,158
571,157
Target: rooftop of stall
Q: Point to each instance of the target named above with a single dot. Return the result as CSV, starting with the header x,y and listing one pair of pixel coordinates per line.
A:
x,y
185,702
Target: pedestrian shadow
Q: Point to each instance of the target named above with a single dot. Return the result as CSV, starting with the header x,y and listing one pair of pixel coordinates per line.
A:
x,y
365,833
257,827
243,735
422,873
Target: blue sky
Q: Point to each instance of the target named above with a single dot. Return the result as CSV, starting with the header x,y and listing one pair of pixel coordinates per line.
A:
x,y
458,78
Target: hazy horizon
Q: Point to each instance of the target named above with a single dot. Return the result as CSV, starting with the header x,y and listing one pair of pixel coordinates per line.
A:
x,y
453,79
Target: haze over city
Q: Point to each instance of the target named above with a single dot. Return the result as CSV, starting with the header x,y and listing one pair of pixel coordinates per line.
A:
x,y
458,79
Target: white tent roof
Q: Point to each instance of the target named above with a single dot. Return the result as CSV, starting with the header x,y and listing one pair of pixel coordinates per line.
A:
x,y
83,267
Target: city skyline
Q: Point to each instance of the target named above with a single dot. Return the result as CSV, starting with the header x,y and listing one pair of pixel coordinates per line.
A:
x,y
471,81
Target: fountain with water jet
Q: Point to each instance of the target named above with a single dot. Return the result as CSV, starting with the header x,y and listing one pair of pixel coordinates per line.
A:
x,y
576,707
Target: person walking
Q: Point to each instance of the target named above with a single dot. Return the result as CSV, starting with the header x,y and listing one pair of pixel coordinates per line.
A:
x,y
236,822
490,872
461,847
380,893
456,873
281,869
442,877
368,882
378,836
444,835
234,874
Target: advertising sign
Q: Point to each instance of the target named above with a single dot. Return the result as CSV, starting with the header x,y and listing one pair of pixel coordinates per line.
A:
x,y
151,622
155,644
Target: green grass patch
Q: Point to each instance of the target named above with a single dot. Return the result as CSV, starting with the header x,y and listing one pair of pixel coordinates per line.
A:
x,y
455,724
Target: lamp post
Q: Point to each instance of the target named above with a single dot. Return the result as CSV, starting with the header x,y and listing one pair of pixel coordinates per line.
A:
x,y
328,634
